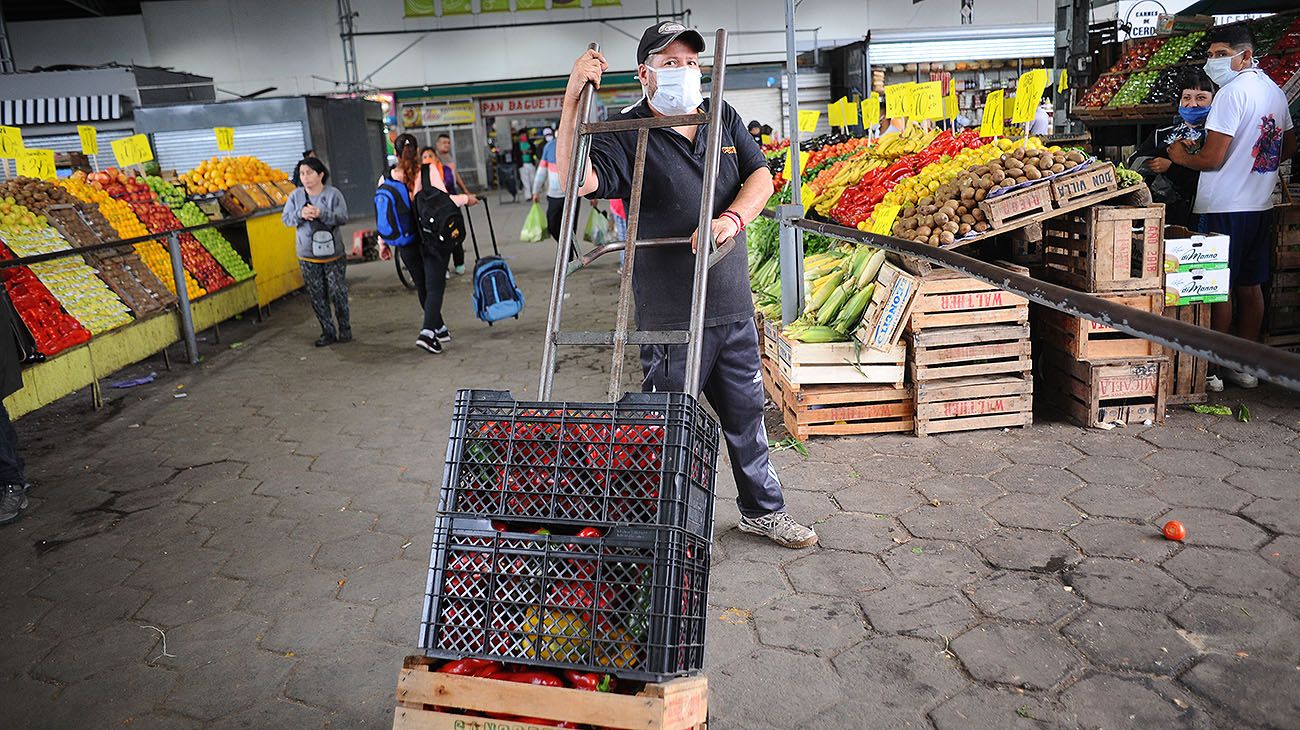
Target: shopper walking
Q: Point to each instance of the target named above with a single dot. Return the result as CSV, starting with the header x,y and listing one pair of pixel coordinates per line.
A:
x,y
547,183
527,164
1248,133
426,264
1170,183
317,210
13,480
443,160
669,72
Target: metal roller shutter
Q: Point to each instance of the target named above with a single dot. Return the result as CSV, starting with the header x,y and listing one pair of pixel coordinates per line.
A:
x,y
763,105
279,145
72,143
814,93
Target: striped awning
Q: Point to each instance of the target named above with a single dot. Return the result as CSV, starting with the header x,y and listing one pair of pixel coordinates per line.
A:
x,y
61,110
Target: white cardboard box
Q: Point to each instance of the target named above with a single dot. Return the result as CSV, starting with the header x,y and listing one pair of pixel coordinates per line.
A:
x,y
1186,250
1197,285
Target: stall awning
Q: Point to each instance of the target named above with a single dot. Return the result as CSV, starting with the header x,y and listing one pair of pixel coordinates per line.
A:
x,y
967,43
61,110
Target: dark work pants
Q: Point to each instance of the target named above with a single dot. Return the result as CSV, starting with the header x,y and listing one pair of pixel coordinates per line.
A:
x,y
733,383
429,272
326,283
555,218
12,468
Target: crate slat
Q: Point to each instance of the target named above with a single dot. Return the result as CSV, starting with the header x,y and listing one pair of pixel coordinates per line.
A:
x,y
839,410
1085,339
1106,248
1187,372
973,403
958,352
1023,204
802,363
1094,394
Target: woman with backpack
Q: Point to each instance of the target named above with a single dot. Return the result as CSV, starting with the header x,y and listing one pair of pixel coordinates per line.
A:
x,y
426,263
317,210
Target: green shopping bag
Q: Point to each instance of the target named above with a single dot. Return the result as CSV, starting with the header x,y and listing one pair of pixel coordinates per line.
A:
x,y
597,228
534,225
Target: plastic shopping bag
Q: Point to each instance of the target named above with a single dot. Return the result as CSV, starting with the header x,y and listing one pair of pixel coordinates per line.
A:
x,y
597,227
534,225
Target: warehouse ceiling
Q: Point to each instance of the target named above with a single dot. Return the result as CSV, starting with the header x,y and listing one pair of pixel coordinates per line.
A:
x,y
21,10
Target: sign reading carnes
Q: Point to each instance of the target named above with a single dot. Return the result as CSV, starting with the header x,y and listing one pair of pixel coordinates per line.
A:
x,y
544,105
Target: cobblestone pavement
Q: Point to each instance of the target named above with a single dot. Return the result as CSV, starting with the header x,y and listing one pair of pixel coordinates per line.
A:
x,y
275,526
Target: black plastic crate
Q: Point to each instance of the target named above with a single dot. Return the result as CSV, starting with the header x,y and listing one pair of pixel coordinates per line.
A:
x,y
630,603
649,459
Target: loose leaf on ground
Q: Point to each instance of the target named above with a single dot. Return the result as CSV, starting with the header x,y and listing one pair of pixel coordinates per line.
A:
x,y
1243,413
1212,410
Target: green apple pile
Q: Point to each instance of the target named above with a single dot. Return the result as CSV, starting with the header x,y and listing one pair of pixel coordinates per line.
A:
x,y
171,196
216,244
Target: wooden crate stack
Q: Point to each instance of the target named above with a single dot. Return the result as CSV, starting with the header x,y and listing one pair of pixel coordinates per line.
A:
x,y
1283,320
1096,375
969,360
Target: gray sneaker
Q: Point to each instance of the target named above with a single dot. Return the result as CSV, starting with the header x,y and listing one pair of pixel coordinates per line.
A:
x,y
780,528
13,500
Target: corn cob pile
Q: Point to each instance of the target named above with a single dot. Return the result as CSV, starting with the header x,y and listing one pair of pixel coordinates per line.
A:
x,y
838,285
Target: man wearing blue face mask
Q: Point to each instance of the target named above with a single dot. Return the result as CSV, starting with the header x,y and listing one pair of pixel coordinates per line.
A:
x,y
669,70
1248,134
1171,184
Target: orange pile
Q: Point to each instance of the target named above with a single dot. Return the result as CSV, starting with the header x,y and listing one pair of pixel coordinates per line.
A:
x,y
118,212
220,173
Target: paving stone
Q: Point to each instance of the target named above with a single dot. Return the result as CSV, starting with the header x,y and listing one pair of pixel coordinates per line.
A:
x,y
1115,471
1033,511
1016,654
175,537
1183,439
82,614
1110,701
1017,549
892,468
1025,597
122,644
244,509
1126,584
289,556
1115,539
834,572
949,521
358,550
333,524
818,476
312,629
1245,690
1132,503
981,707
173,605
347,684
817,624
85,580
22,612
1111,444
176,568
27,702
1193,492
209,639
380,583
1201,464
263,536
949,488
1213,528
810,507
1131,640
1274,483
897,672
245,680
904,608
115,696
22,650
1037,479
967,461
1226,571
884,498
1284,552
277,713
730,636
858,533
746,548
755,586
1278,515
1047,452
1231,625
1251,454
935,563
747,684
398,622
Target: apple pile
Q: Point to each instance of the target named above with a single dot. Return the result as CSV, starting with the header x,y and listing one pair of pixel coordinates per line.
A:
x,y
122,186
215,243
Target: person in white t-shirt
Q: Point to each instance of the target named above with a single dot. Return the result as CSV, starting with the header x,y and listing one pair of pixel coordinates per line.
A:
x,y
1248,134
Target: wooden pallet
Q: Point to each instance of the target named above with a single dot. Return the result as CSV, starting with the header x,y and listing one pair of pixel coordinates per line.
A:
x,y
1021,205
1083,184
1085,339
1102,393
1106,248
959,352
680,704
840,410
1187,372
838,363
973,403
949,299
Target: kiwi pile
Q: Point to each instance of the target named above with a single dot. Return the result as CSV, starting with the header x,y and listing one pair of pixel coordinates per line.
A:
x,y
953,211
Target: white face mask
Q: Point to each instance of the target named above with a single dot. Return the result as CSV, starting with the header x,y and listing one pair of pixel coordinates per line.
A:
x,y
677,90
1220,70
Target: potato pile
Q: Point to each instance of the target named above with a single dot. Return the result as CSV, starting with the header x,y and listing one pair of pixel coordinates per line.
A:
x,y
953,211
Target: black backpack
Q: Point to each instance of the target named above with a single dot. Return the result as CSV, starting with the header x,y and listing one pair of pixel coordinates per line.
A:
x,y
438,219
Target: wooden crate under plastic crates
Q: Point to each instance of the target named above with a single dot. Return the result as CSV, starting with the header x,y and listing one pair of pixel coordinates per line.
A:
x,y
1085,339
1099,394
839,410
430,700
1106,248
1187,372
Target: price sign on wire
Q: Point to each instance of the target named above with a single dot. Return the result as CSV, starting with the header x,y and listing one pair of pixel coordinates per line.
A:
x,y
929,100
789,161
225,138
850,111
89,139
871,111
1029,89
835,114
1063,81
897,100
808,119
36,163
133,150
991,126
883,217
11,142
950,106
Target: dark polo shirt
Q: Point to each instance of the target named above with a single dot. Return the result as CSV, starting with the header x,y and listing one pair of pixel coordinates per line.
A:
x,y
670,206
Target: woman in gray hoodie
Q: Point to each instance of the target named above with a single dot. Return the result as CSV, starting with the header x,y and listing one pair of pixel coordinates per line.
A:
x,y
317,210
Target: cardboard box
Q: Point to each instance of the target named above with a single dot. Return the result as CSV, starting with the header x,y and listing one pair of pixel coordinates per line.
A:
x,y
1186,250
1197,285
890,308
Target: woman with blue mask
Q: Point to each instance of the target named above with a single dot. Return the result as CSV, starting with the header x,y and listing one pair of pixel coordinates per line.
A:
x,y
1170,183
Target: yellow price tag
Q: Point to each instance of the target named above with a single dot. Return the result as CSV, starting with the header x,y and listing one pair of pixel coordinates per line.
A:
x,y
89,139
11,142
1029,90
766,139
929,100
950,107
789,161
1063,81
898,100
871,111
835,114
132,150
225,138
991,126
883,217
808,119
850,111
36,163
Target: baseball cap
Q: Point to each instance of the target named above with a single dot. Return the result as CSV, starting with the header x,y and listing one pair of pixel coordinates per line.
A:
x,y
657,37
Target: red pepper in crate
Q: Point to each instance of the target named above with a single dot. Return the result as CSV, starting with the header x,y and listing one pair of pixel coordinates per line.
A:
x,y
589,681
471,667
543,679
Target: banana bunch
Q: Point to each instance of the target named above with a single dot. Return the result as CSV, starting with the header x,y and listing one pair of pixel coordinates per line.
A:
x,y
838,288
910,141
